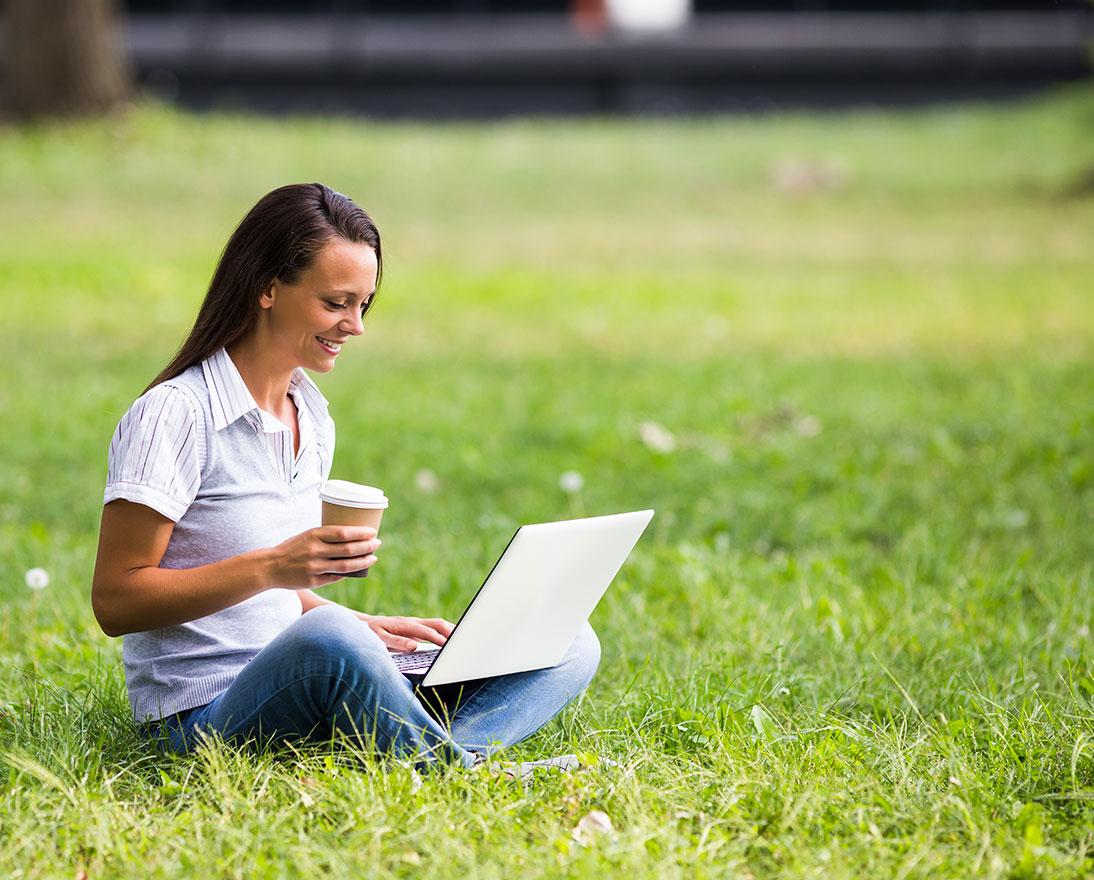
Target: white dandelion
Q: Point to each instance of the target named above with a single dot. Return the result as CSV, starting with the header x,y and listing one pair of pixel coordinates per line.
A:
x,y
37,578
571,482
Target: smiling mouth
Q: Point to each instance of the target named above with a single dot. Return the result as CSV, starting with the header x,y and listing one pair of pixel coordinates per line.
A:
x,y
330,344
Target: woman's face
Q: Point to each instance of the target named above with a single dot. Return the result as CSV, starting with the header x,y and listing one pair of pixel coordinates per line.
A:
x,y
307,322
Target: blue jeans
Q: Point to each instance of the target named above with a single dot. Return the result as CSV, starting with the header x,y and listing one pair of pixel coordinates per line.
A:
x,y
328,675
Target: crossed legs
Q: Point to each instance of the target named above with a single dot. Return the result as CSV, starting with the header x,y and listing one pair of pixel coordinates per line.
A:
x,y
329,675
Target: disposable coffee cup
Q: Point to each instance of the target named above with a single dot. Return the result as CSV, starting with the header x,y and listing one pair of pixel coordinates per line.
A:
x,y
352,504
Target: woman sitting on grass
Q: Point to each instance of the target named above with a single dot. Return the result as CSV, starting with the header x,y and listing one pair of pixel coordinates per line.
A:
x,y
210,548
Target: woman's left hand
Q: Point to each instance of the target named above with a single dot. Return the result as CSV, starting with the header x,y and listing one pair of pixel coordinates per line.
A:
x,y
404,633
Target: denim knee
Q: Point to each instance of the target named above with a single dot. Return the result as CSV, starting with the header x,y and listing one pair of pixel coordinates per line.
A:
x,y
340,656
335,630
584,655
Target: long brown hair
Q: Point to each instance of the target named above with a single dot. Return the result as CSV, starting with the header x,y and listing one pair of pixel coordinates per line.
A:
x,y
279,238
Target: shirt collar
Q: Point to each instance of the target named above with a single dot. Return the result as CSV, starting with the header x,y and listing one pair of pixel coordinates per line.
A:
x,y
231,400
304,390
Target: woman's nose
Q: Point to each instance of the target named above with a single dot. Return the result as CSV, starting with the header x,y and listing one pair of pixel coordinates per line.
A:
x,y
353,324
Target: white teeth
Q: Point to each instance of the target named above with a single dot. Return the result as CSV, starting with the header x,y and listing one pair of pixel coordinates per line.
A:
x,y
337,346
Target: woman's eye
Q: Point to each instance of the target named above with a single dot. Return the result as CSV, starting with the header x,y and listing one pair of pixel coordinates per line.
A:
x,y
335,306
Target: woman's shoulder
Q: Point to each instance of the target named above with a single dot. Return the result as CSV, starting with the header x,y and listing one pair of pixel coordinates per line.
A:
x,y
157,454
184,390
167,421
176,400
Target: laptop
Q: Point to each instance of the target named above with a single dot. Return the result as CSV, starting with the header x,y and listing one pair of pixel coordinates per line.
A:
x,y
534,602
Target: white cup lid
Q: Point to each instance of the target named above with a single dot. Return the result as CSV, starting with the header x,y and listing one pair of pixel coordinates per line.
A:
x,y
353,495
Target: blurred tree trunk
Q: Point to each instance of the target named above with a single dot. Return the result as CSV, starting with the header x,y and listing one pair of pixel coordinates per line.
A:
x,y
63,57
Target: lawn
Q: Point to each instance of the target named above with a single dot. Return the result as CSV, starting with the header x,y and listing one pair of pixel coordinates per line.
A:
x,y
846,358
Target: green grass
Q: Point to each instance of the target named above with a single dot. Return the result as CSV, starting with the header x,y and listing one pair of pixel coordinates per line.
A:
x,y
856,640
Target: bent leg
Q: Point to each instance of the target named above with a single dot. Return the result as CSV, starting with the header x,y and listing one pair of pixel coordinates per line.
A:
x,y
329,674
498,712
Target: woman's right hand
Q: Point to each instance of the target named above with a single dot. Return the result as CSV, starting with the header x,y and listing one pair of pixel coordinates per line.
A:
x,y
322,555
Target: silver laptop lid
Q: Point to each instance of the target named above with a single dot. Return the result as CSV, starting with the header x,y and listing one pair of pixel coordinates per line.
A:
x,y
540,593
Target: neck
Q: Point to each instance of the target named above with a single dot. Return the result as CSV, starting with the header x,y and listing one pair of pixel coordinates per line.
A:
x,y
267,383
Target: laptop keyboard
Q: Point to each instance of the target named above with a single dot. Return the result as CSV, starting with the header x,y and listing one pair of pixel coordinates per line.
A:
x,y
415,661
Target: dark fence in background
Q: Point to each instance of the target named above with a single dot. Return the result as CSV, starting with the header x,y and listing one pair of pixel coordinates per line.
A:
x,y
561,7
485,58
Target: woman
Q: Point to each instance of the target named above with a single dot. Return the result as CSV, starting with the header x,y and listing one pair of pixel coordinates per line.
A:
x,y
209,549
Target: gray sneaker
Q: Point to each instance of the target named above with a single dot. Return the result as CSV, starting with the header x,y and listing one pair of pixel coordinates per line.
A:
x,y
526,770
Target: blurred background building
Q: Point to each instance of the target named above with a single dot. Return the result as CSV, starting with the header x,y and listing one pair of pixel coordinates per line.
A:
x,y
483,58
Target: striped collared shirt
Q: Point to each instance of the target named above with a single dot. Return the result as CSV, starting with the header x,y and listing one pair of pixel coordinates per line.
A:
x,y
231,400
198,450
156,453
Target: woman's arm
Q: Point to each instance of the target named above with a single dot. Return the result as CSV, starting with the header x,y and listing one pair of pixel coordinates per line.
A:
x,y
131,593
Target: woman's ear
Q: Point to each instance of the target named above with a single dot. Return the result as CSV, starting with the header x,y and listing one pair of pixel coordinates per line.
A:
x,y
268,295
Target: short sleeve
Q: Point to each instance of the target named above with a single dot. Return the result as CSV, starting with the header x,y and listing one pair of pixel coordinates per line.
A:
x,y
154,458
